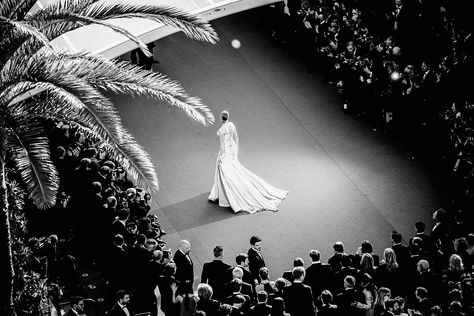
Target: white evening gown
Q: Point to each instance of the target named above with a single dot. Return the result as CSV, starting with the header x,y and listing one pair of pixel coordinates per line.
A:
x,y
236,186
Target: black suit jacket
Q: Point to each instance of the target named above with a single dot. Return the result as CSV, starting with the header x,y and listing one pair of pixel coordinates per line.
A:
x,y
118,311
184,268
247,277
318,277
245,308
345,299
255,262
403,255
246,289
428,245
299,300
338,284
216,274
288,275
261,309
210,307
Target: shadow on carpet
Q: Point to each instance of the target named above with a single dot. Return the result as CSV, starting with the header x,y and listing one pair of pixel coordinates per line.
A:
x,y
196,211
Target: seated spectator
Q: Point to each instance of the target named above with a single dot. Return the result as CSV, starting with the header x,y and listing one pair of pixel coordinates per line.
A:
x,y
388,272
238,302
365,248
455,309
335,260
346,269
402,252
225,310
205,302
77,306
370,293
383,295
422,304
262,308
318,274
436,311
401,307
391,306
367,265
236,288
266,285
278,307
455,269
351,301
298,297
280,285
122,305
288,275
325,307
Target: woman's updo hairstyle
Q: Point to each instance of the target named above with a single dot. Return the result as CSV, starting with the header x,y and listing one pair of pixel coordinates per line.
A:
x,y
225,116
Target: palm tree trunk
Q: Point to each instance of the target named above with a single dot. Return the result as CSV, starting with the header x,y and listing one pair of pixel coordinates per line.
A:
x,y
6,262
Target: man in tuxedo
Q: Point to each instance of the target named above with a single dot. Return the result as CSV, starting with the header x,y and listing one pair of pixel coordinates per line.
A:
x,y
256,260
77,306
261,309
298,296
242,261
118,265
428,245
184,264
120,307
347,269
236,288
288,275
401,251
335,260
238,305
216,273
317,274
246,289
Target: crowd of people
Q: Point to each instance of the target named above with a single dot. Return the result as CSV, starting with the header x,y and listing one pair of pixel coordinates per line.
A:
x,y
99,214
429,276
406,73
400,64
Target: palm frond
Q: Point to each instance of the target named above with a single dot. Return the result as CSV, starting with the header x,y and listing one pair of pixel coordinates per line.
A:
x,y
25,29
32,158
54,20
129,154
192,25
124,78
21,8
138,162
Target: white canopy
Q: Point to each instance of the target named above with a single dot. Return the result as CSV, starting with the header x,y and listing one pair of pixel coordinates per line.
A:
x,y
101,40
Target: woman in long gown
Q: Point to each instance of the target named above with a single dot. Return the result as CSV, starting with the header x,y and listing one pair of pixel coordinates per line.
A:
x,y
234,185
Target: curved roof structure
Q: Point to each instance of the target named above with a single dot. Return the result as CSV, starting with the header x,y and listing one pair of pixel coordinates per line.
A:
x,y
100,40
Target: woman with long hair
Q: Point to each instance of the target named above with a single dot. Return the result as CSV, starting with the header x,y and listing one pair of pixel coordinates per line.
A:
x,y
367,265
388,272
370,293
383,295
455,268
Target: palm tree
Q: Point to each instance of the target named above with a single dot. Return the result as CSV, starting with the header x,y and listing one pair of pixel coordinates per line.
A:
x,y
69,87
